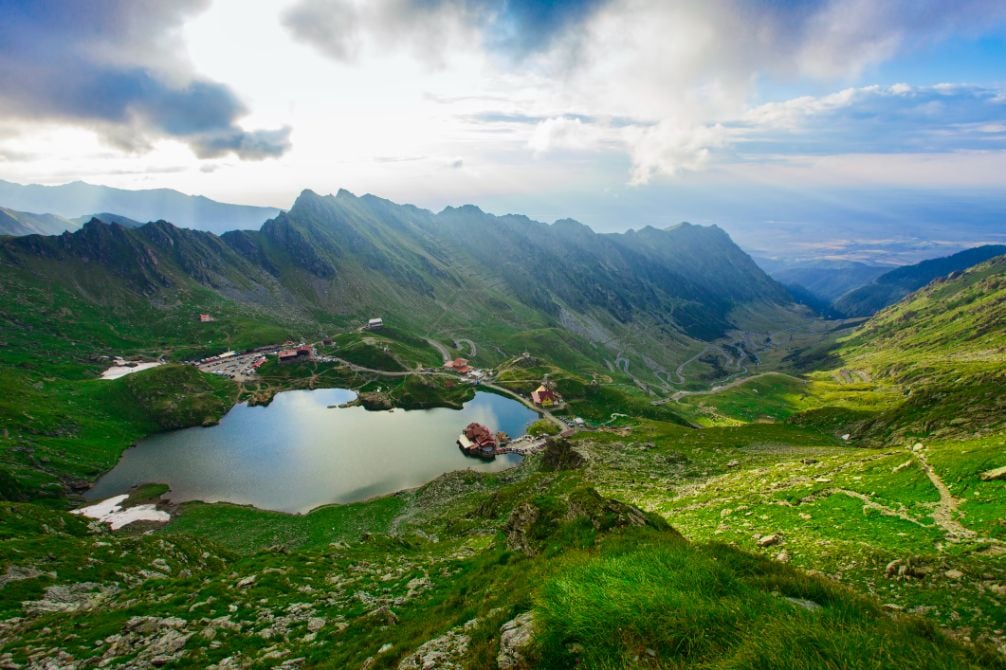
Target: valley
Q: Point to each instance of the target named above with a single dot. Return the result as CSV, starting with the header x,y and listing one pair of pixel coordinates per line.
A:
x,y
768,472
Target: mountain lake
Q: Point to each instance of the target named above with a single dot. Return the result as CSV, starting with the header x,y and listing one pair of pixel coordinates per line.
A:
x,y
299,452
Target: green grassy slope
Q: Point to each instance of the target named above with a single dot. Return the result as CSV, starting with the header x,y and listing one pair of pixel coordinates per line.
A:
x,y
892,286
608,586
944,348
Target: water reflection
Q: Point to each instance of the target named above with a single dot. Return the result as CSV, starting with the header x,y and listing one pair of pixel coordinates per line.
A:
x,y
297,453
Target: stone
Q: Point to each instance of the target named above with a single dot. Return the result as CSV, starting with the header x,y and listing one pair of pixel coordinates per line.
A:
x,y
516,636
446,652
385,614
733,464
314,624
809,605
246,582
899,468
782,556
953,574
989,475
770,540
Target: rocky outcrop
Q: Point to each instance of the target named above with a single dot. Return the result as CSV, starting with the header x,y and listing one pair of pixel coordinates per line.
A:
x,y
990,475
532,523
516,637
560,455
446,652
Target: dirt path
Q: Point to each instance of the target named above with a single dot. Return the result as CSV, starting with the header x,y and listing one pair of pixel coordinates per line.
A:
x,y
472,349
678,395
679,371
441,348
871,504
946,510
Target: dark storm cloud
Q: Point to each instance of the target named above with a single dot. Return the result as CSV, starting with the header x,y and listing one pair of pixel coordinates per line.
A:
x,y
114,65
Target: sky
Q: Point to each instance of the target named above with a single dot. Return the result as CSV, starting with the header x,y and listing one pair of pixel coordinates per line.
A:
x,y
784,121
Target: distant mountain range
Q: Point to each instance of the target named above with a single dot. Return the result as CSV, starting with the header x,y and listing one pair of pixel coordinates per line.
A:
x,y
641,297
79,199
826,279
13,222
894,285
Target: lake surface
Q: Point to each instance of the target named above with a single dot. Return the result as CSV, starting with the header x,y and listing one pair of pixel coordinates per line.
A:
x,y
297,453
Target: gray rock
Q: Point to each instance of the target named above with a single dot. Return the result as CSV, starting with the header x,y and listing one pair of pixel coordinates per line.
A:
x,y
447,652
516,637
246,582
804,603
998,473
770,540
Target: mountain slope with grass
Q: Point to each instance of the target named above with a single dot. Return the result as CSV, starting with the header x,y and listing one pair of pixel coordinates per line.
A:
x,y
892,286
642,301
829,504
944,348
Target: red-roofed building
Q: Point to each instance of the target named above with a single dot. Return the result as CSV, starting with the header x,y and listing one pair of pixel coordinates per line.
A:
x,y
459,365
478,440
544,396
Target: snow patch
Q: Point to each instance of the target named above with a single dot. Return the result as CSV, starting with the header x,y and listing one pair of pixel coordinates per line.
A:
x,y
110,511
117,371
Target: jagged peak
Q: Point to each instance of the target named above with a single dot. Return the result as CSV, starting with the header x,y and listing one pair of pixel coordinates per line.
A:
x,y
571,224
463,209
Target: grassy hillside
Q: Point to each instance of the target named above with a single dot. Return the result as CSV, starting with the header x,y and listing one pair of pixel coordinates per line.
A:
x,y
468,554
892,286
944,350
842,518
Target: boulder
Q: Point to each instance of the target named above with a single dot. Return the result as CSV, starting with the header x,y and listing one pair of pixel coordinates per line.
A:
x,y
998,473
447,652
770,540
532,522
516,637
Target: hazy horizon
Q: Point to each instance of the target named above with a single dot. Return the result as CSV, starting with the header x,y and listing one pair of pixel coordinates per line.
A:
x,y
797,124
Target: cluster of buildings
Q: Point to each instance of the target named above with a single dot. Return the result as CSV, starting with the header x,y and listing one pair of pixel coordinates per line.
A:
x,y
477,440
459,365
302,353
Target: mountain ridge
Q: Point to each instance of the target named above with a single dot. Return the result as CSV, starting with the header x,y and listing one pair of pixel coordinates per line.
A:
x,y
898,283
648,295
79,198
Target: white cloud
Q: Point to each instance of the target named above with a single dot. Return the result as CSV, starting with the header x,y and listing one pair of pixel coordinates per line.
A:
x,y
668,149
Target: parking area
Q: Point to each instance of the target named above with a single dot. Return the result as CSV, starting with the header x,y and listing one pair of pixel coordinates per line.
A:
x,y
239,367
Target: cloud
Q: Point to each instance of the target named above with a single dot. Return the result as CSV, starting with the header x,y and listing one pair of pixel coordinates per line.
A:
x,y
669,148
116,66
879,119
570,133
667,84
512,29
346,30
794,134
